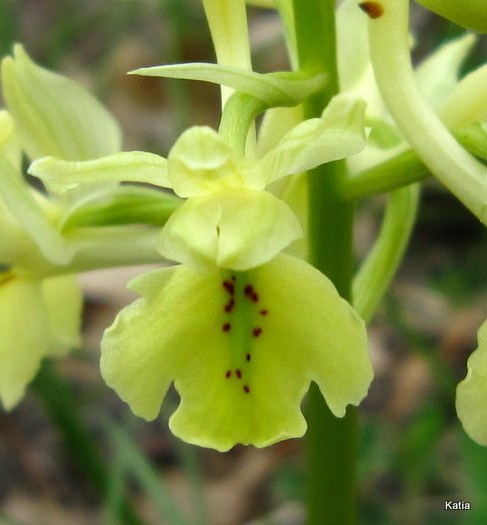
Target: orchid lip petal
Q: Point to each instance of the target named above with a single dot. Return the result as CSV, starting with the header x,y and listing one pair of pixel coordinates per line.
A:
x,y
255,341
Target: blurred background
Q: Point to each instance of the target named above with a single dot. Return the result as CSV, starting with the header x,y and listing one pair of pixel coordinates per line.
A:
x,y
413,452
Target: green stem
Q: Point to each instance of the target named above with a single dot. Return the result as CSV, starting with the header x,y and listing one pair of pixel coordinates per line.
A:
x,y
331,444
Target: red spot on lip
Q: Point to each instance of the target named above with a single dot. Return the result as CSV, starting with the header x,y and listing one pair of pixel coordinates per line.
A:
x,y
263,312
229,287
226,327
229,306
228,374
373,9
256,332
251,293
239,373
246,389
248,357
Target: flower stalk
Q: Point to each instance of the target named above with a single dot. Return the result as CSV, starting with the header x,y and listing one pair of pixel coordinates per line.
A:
x,y
330,442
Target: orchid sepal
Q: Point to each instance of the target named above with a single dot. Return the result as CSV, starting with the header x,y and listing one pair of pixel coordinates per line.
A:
x,y
274,89
60,176
53,114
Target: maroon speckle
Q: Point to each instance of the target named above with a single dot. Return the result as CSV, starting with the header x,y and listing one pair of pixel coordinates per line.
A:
x,y
229,287
228,374
373,9
246,389
250,293
256,332
248,357
239,373
263,312
226,327
229,306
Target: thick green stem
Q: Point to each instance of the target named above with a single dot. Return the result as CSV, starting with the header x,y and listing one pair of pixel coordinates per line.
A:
x,y
331,442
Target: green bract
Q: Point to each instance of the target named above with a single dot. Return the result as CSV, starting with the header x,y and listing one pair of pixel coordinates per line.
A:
x,y
472,392
241,349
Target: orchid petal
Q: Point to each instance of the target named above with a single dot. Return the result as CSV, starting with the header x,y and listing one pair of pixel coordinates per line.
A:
x,y
201,162
471,402
237,229
244,362
53,114
9,146
24,207
438,74
467,102
134,166
337,134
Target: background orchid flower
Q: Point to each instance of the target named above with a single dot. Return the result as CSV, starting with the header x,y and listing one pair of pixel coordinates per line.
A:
x,y
239,328
42,242
452,164
471,402
458,101
40,316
